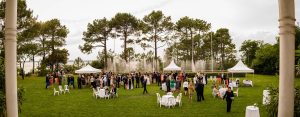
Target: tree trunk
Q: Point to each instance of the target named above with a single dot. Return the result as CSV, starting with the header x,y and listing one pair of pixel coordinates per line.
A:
x,y
155,51
125,46
192,61
52,44
43,47
222,56
33,64
105,55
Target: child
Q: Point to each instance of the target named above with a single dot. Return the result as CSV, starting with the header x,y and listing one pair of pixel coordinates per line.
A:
x,y
185,86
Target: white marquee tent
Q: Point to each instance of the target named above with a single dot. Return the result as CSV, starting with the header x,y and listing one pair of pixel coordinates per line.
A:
x,y
240,67
88,69
172,67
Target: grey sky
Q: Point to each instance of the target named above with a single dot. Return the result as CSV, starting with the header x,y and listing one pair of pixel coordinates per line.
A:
x,y
245,19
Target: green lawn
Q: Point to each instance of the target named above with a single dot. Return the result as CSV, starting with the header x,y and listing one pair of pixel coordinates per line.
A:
x,y
40,102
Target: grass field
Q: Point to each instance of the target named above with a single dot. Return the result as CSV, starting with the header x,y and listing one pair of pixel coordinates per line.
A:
x,y
40,102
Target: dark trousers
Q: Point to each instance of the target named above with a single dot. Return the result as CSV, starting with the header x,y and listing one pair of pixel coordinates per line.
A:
x,y
72,84
201,96
47,84
158,83
228,105
132,84
79,86
198,96
145,90
137,84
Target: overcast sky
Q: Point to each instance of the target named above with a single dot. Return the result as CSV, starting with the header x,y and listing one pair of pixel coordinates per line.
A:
x,y
245,19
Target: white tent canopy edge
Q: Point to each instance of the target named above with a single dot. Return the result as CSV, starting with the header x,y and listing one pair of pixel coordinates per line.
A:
x,y
88,69
172,67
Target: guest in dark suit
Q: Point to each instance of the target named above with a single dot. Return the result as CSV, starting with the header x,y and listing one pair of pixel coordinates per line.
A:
x,y
72,81
47,80
168,85
142,79
158,79
118,81
198,90
132,79
229,98
137,79
129,81
125,81
79,82
145,86
201,91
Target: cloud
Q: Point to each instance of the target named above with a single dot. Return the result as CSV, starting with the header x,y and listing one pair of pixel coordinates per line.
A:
x,y
246,19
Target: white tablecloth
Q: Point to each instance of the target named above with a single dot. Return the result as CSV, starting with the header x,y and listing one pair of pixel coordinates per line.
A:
x,y
248,82
252,111
164,99
164,86
222,91
266,97
102,93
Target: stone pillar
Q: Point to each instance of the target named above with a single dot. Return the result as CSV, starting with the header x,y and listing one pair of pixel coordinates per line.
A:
x,y
287,58
11,58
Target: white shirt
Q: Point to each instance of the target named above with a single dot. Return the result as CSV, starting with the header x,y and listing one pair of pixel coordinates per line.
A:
x,y
195,79
185,84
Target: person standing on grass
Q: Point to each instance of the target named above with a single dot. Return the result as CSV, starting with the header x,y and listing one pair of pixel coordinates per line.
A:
x,y
185,87
191,90
129,81
137,79
142,79
79,81
145,86
168,84
229,98
47,80
132,80
198,90
201,90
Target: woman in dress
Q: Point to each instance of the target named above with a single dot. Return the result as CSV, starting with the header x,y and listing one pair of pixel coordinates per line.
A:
x,y
185,87
172,84
216,92
148,79
101,82
191,90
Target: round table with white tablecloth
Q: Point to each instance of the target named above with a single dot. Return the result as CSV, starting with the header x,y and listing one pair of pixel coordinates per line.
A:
x,y
165,99
266,97
252,111
164,86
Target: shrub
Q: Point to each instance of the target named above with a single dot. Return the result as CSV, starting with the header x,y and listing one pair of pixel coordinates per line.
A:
x,y
20,93
272,107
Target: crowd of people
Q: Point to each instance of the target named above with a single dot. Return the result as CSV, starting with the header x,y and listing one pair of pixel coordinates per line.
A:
x,y
59,78
173,82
